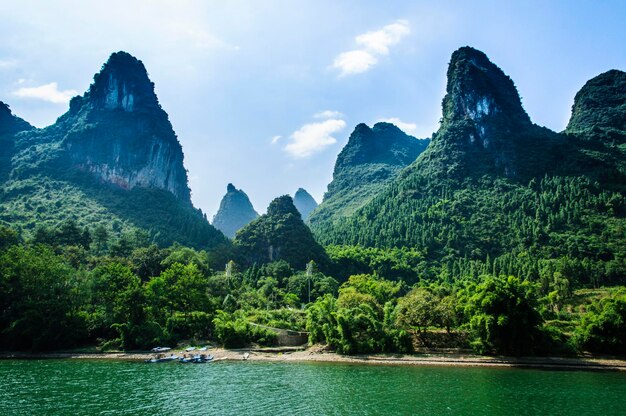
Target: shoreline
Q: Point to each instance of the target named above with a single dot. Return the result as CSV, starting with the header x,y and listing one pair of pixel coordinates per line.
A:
x,y
313,354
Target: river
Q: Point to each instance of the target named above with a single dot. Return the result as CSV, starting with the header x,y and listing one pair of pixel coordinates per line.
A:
x,y
108,387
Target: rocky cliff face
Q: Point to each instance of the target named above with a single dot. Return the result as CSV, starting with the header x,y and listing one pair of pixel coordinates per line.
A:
x,y
304,202
119,133
112,160
235,211
371,159
599,108
480,184
485,129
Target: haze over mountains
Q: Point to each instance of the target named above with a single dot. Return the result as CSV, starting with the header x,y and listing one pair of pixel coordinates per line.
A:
x,y
488,183
235,211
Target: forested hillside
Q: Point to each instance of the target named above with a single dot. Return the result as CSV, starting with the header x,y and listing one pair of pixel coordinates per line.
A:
x,y
371,159
493,188
112,161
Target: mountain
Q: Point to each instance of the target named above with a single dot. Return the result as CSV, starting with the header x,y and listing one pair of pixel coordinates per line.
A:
x,y
9,126
304,203
235,211
599,108
113,159
494,187
280,234
370,160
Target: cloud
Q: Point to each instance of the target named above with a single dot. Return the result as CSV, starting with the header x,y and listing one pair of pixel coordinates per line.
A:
x,y
409,128
7,63
379,41
328,114
313,138
275,139
48,92
354,62
373,44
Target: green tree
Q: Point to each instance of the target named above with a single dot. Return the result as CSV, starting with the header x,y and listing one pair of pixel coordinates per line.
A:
x,y
503,316
603,327
37,307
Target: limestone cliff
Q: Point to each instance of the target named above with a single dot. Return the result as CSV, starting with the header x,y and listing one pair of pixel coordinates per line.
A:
x,y
118,131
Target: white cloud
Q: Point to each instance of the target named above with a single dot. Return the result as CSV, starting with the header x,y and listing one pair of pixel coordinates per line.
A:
x,y
379,41
7,63
313,138
354,62
48,92
328,114
373,44
275,139
409,128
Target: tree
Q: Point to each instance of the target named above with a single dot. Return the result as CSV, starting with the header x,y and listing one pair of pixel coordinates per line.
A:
x,y
603,327
503,316
418,309
8,237
37,307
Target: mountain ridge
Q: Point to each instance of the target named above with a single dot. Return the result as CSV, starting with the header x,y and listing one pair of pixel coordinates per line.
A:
x,y
528,191
235,211
368,162
116,158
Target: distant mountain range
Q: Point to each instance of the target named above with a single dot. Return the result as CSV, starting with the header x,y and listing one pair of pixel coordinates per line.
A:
x,y
490,185
493,185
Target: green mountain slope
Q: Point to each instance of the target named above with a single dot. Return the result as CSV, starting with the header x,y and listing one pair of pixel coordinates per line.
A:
x,y
371,159
280,234
493,184
113,159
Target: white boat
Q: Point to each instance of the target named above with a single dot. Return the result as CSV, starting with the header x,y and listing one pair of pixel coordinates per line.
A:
x,y
167,359
203,349
189,349
161,349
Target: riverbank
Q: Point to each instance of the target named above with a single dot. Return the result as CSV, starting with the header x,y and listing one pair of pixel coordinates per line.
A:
x,y
318,354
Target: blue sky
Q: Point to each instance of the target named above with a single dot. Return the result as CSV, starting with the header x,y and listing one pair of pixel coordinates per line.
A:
x,y
264,94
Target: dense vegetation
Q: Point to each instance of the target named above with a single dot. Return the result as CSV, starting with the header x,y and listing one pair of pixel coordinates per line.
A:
x,y
280,234
493,190
113,160
502,237
72,286
371,159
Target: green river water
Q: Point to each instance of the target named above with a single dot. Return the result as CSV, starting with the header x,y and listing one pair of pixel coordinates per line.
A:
x,y
94,387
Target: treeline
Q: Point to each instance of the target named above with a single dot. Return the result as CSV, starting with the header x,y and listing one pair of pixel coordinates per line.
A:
x,y
70,286
496,221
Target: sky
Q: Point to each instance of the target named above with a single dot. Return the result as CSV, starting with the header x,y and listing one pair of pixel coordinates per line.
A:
x,y
264,94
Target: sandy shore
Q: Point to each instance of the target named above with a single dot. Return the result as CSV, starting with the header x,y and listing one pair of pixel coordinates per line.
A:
x,y
317,354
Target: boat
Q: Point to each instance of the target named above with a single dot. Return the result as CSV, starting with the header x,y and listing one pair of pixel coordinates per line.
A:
x,y
196,359
189,349
203,349
166,359
160,349
246,355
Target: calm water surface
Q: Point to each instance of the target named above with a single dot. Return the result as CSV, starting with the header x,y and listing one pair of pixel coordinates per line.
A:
x,y
78,387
